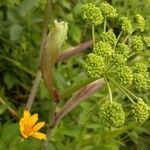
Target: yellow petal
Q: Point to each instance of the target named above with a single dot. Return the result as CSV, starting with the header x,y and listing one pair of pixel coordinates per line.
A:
x,y
21,125
33,119
39,135
26,114
38,126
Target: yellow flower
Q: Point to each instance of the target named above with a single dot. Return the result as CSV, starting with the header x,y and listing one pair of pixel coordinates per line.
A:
x,y
29,127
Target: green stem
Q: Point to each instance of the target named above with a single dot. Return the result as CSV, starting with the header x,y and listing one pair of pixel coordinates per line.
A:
x,y
11,110
105,22
120,87
109,89
93,34
128,37
134,96
74,88
118,38
127,91
108,69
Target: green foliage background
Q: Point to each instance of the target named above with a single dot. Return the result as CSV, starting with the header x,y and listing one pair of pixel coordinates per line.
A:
x,y
21,23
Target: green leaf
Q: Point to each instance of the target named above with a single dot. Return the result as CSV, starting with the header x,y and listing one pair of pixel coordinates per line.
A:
x,y
15,32
27,5
75,33
9,80
2,109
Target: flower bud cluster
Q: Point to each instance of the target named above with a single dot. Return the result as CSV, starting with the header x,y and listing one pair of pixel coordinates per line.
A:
x,y
140,68
139,112
108,54
123,75
118,59
146,40
140,82
109,37
108,10
140,77
94,65
92,13
122,49
112,114
103,49
140,22
126,25
137,43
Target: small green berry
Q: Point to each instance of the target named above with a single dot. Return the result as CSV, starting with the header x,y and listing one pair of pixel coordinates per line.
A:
x,y
140,82
94,65
108,10
140,22
139,112
112,114
137,43
123,75
103,49
126,25
109,37
146,40
92,13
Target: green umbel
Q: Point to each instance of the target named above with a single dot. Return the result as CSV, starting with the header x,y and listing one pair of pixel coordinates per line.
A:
x,y
103,49
139,112
140,82
146,40
108,10
112,114
92,13
140,22
122,49
137,43
94,65
123,75
109,37
126,25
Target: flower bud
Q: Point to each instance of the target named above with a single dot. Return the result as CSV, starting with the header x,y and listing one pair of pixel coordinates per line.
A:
x,y
123,75
108,10
122,49
103,49
118,59
140,82
112,114
109,37
94,65
137,43
92,13
139,112
126,25
140,67
146,40
140,22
